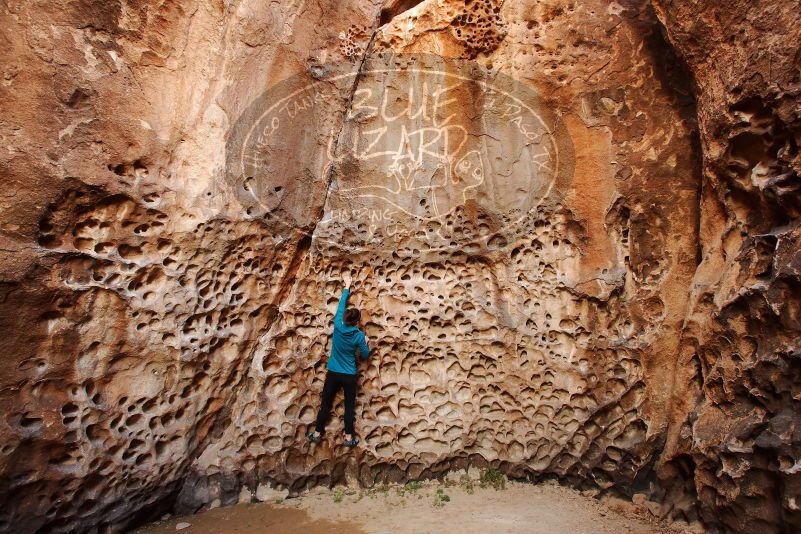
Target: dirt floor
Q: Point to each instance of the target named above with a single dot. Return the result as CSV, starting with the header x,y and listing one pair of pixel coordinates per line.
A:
x,y
431,507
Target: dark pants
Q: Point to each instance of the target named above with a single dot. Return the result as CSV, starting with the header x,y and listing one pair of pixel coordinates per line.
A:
x,y
333,381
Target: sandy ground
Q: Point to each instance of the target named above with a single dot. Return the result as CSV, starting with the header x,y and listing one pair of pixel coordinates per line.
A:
x,y
519,508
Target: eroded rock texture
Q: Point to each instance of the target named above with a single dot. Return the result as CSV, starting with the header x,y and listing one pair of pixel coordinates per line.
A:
x,y
735,435
517,188
135,286
516,317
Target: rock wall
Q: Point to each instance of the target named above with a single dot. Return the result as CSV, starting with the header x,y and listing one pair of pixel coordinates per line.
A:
x,y
517,316
134,284
734,438
550,281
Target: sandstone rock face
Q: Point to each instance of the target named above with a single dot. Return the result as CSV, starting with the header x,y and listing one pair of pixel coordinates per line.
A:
x,y
734,436
550,280
135,286
515,287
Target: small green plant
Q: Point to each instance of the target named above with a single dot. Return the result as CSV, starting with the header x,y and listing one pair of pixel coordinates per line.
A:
x,y
466,484
375,490
279,501
492,477
441,498
339,495
413,486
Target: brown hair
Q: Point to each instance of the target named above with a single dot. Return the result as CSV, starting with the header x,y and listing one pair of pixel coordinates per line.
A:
x,y
352,316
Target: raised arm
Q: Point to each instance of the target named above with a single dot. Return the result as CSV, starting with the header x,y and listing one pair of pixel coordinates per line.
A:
x,y
343,302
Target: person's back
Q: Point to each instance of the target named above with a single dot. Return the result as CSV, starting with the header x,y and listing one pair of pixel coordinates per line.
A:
x,y
347,338
346,341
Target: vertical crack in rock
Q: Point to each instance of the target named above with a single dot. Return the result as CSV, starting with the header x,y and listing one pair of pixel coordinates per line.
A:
x,y
330,173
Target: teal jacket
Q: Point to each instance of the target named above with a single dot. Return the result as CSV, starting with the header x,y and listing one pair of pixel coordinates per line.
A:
x,y
345,341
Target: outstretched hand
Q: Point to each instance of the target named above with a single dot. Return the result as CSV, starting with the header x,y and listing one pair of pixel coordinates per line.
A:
x,y
347,279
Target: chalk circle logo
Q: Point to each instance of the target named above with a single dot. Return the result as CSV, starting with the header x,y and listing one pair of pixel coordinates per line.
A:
x,y
421,147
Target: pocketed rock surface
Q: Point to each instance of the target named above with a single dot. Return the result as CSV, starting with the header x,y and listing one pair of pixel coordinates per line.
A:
x,y
572,227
